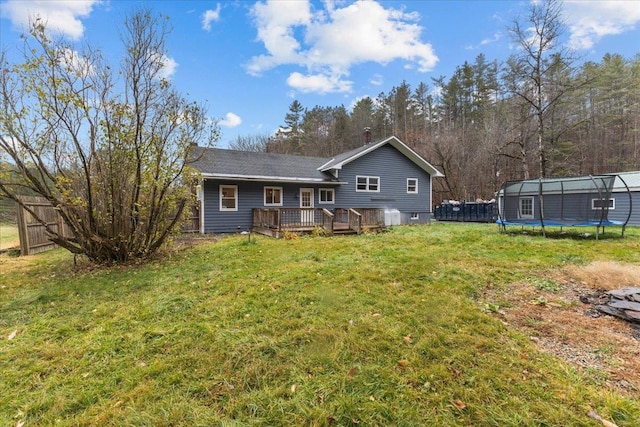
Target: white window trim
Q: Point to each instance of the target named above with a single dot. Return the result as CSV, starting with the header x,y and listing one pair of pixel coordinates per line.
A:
x,y
528,216
264,195
414,216
368,184
595,208
235,191
416,185
328,190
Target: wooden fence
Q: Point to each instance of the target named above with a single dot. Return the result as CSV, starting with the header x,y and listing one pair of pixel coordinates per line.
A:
x,y
193,222
33,235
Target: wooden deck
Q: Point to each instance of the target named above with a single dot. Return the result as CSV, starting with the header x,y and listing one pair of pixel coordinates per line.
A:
x,y
275,222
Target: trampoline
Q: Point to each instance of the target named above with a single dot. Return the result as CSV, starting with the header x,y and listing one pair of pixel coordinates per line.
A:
x,y
582,201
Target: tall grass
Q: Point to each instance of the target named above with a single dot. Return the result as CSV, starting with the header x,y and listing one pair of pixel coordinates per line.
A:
x,y
8,236
379,329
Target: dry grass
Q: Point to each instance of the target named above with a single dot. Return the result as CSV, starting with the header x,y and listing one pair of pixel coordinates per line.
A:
x,y
549,310
605,275
8,236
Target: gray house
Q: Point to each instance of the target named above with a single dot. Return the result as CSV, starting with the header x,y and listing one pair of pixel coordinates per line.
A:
x,y
381,183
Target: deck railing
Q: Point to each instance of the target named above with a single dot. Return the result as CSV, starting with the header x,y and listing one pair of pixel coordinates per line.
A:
x,y
302,219
371,217
355,220
266,218
327,220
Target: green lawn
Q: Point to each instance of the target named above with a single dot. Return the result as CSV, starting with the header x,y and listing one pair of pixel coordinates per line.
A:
x,y
371,330
9,236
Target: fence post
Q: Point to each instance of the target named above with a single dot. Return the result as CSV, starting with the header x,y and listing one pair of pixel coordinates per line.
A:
x,y
22,231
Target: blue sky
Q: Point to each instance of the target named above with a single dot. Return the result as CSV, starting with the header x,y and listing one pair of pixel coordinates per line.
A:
x,y
247,60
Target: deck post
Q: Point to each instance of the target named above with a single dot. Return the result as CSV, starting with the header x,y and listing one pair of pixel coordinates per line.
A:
x,y
278,222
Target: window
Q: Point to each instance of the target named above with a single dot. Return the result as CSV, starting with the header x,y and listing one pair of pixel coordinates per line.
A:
x,y
228,197
327,195
525,207
412,185
273,196
368,183
601,203
415,216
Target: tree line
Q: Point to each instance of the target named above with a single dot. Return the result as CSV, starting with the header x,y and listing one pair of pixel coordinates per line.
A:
x,y
534,115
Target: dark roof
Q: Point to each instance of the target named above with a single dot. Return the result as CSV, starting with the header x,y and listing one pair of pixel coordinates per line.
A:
x,y
233,164
250,165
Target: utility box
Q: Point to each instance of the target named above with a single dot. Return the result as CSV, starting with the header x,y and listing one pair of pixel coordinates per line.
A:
x,y
392,217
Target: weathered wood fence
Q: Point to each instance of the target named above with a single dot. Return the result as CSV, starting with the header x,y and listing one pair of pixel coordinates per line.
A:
x,y
193,223
33,236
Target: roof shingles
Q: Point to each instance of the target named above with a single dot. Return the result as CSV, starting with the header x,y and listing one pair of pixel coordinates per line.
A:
x,y
215,162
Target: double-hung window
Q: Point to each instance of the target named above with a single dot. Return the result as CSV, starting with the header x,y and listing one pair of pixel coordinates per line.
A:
x,y
327,196
412,185
525,207
228,197
368,183
273,196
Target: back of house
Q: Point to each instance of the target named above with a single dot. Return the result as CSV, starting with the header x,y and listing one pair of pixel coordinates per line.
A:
x,y
385,175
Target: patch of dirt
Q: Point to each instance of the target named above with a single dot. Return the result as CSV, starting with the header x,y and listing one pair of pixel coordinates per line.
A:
x,y
557,311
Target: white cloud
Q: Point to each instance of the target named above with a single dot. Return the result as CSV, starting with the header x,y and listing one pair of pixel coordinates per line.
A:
x,y
276,22
589,21
59,16
169,66
210,16
484,42
319,83
74,62
496,37
329,42
376,80
231,120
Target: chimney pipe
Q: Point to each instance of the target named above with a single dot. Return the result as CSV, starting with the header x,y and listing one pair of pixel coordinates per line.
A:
x,y
367,135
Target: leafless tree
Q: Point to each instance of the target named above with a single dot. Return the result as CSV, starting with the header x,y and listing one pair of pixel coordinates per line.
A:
x,y
107,146
540,58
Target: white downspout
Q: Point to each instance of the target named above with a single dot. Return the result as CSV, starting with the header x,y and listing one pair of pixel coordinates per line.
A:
x,y
201,200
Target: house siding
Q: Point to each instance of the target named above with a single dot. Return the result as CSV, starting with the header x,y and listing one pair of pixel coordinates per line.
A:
x,y
621,212
250,196
393,168
576,207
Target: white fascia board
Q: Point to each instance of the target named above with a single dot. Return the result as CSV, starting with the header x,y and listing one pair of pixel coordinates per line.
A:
x,y
357,155
323,166
234,177
416,158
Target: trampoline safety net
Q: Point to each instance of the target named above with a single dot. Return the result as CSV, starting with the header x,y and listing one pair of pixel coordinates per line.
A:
x,y
572,201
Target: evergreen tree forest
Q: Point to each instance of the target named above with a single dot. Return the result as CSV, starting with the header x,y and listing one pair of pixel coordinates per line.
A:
x,y
477,131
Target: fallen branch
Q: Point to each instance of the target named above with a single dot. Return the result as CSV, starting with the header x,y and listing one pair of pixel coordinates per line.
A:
x,y
597,417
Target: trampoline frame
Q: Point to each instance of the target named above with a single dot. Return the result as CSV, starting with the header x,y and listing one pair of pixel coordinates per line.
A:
x,y
551,221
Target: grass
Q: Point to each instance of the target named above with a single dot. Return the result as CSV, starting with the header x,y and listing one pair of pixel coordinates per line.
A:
x,y
380,329
9,236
